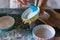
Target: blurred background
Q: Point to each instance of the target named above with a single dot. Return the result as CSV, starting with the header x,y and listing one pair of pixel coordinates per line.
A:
x,y
51,3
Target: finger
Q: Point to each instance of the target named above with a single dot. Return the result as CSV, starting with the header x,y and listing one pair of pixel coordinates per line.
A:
x,y
14,0
30,22
25,22
23,1
42,3
18,4
41,12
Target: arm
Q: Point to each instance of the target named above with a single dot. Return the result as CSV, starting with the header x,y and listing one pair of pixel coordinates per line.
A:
x,y
54,19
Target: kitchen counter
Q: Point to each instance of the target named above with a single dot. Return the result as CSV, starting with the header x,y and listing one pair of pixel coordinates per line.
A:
x,y
21,31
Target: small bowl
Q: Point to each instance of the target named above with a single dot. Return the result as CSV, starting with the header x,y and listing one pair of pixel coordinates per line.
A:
x,y
43,32
30,11
9,19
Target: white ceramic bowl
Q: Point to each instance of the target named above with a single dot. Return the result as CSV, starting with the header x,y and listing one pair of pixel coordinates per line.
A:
x,y
45,31
6,23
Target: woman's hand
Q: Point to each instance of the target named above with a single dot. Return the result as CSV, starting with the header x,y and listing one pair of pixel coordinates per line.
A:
x,y
40,4
21,3
53,20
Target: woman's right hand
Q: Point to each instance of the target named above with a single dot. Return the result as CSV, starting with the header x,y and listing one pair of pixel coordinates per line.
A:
x,y
53,20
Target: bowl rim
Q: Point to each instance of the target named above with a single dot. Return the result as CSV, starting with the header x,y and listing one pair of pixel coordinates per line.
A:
x,y
44,25
9,27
